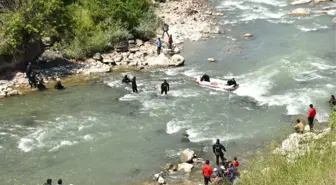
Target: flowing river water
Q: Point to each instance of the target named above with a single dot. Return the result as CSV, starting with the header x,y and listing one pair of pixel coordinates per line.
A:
x,y
101,133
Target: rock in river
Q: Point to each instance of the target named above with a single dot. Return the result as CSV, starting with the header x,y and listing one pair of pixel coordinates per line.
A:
x,y
187,155
300,12
185,167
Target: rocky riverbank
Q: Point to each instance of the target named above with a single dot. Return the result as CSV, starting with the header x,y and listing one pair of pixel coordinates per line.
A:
x,y
190,19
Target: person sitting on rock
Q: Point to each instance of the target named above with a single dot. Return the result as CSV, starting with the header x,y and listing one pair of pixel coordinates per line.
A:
x,y
165,28
205,77
58,84
164,87
231,172
299,127
126,80
235,162
218,175
332,100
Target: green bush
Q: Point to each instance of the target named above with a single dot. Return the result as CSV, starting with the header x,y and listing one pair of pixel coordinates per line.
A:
x,y
147,26
332,118
82,27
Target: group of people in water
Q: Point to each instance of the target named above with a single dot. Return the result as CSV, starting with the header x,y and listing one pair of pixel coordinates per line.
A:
x,y
49,182
164,85
225,170
206,78
35,80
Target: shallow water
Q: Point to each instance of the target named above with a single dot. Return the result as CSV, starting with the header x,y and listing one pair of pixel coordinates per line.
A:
x,y
101,133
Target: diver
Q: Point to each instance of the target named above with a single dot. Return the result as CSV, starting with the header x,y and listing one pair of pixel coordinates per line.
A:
x,y
164,87
134,85
232,82
126,79
332,100
205,77
218,149
40,85
32,80
58,84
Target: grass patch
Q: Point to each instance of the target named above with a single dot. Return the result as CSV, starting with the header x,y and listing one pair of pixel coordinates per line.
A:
x,y
317,167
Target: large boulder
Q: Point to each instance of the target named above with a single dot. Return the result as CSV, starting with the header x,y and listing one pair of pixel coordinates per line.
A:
x,y
2,94
97,56
13,93
300,12
187,155
176,60
185,167
297,2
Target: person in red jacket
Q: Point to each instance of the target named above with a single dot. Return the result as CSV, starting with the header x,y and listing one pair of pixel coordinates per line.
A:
x,y
207,172
311,116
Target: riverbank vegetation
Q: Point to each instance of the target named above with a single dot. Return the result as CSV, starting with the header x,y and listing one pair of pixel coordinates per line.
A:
x,y
77,28
317,166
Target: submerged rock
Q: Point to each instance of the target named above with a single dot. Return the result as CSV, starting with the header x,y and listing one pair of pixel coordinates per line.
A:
x,y
248,35
211,60
300,12
334,20
187,155
297,2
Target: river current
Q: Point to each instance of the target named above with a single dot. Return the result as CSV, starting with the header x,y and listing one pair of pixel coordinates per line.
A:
x,y
101,133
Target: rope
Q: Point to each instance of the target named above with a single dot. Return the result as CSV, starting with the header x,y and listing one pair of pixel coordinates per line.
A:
x,y
228,119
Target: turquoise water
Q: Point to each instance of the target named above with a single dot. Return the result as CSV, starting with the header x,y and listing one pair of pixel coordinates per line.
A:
x,y
101,133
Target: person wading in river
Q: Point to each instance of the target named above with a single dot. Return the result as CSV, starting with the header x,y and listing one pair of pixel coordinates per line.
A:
x,y
311,116
134,85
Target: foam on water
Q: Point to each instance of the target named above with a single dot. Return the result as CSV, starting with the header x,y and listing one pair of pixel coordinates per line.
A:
x,y
196,135
32,141
315,28
62,144
175,125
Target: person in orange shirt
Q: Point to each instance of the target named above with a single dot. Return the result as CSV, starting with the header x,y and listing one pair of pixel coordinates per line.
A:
x,y
207,172
235,163
311,116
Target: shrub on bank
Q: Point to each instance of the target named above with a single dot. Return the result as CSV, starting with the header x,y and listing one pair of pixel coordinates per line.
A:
x,y
81,27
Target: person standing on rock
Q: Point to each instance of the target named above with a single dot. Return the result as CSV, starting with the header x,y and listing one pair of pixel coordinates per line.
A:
x,y
170,41
311,116
134,85
207,172
164,87
159,45
218,150
29,70
165,29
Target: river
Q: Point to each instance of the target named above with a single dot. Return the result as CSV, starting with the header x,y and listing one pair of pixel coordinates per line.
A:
x,y
101,133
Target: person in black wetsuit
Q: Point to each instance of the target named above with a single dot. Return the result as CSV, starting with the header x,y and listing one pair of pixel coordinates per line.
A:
x,y
40,85
49,181
205,77
218,150
126,79
232,82
29,74
134,85
33,80
58,85
164,87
